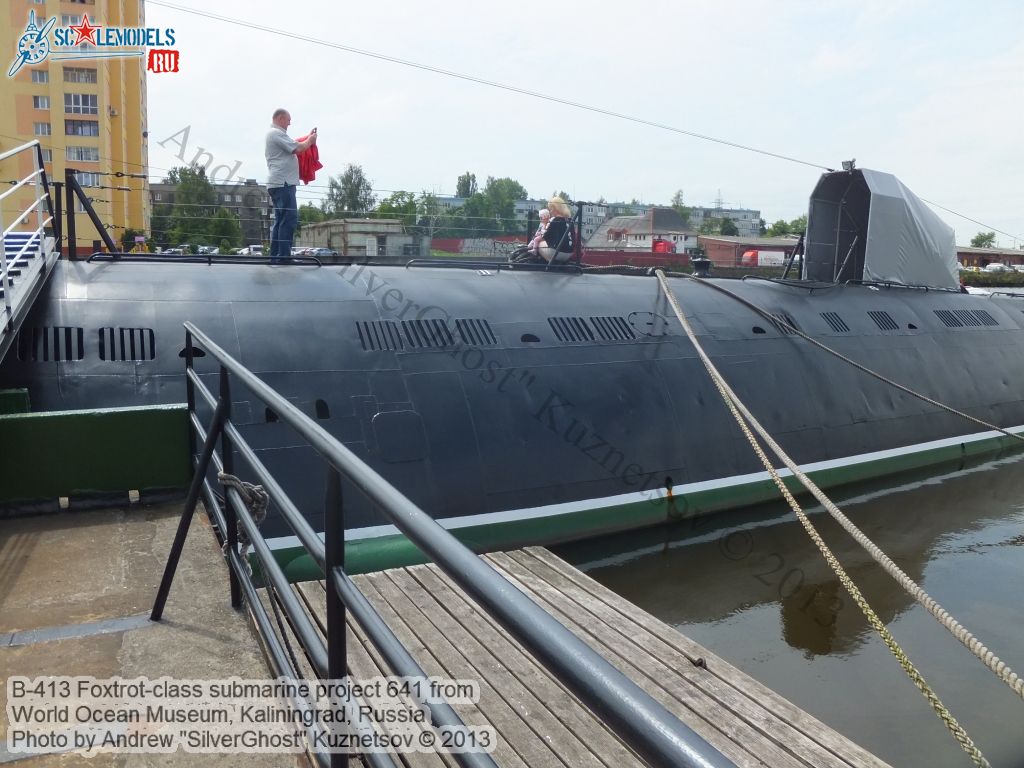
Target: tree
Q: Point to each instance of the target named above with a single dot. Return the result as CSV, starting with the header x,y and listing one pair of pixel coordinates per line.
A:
x,y
466,185
501,197
432,219
729,228
349,195
225,228
564,195
779,228
763,227
678,207
798,225
195,204
984,240
399,205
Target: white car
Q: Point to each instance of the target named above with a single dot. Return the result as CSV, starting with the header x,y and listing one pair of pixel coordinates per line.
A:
x,y
997,267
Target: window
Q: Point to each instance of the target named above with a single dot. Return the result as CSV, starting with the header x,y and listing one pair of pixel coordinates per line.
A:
x,y
39,2
84,154
81,128
41,129
68,21
40,76
88,179
47,155
40,102
79,75
81,104
158,196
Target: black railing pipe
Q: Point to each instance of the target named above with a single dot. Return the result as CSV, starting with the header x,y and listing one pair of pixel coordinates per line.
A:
x,y
191,499
228,467
650,729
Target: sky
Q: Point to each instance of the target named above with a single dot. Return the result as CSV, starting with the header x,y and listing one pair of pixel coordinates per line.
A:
x,y
928,91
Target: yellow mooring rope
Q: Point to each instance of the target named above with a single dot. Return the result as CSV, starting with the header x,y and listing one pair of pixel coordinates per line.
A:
x,y
734,405
998,667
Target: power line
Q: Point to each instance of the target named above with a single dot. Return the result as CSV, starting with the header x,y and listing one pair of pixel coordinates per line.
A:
x,y
481,81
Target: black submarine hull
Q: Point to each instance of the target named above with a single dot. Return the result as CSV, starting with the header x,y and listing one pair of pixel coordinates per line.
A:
x,y
524,406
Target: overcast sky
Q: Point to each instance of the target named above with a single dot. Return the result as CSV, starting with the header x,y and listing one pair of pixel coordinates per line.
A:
x,y
932,92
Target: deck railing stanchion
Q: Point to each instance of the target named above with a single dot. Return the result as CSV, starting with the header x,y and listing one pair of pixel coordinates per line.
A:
x,y
228,460
216,427
334,550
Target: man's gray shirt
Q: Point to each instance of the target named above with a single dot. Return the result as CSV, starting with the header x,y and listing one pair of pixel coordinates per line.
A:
x,y
282,162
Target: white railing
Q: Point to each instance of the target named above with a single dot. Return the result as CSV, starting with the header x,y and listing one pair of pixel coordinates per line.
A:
x,y
42,192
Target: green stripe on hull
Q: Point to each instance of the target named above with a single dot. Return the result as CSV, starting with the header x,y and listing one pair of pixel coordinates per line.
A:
x,y
394,550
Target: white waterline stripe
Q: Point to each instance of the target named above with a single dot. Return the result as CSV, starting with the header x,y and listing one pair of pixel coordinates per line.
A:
x,y
570,507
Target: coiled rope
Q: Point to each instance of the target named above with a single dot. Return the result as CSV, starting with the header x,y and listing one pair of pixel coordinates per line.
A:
x,y
745,420
998,667
256,501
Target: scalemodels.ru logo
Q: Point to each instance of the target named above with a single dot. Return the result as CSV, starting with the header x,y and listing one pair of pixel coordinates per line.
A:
x,y
91,41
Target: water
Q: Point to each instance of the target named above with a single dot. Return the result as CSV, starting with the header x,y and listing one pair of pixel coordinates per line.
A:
x,y
751,587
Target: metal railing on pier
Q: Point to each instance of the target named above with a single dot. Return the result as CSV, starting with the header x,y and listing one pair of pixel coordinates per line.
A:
x,y
22,275
641,722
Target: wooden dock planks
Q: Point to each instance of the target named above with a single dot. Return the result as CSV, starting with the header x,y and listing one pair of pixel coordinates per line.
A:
x,y
539,722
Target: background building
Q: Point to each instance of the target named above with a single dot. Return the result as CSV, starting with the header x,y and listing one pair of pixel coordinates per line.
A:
x,y
249,202
363,238
747,221
88,114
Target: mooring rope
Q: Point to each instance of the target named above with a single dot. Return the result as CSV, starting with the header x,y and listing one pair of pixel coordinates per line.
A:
x,y
797,332
745,420
998,667
256,501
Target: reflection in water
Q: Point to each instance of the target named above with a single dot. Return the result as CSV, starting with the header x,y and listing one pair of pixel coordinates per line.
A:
x,y
753,588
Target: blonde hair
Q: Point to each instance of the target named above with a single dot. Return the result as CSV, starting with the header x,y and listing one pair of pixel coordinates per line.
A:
x,y
558,207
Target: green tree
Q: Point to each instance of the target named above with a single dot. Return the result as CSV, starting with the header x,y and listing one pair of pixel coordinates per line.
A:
x,y
308,214
763,227
466,185
798,225
729,228
711,226
984,240
501,197
564,195
349,195
160,225
225,228
779,228
678,207
195,204
399,205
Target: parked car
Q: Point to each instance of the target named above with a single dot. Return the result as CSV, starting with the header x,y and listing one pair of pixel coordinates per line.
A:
x,y
251,250
324,253
997,267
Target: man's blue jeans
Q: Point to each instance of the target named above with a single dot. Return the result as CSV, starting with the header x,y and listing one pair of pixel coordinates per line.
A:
x,y
286,217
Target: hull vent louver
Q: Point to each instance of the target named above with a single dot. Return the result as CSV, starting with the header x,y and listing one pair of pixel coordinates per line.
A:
x,y
612,328
427,334
779,318
51,344
884,321
379,335
571,328
835,322
476,333
127,344
948,318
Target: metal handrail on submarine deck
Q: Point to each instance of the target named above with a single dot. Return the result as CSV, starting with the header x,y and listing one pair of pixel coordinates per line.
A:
x,y
649,729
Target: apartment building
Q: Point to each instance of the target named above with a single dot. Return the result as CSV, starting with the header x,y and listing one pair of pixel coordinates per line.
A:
x,y
88,114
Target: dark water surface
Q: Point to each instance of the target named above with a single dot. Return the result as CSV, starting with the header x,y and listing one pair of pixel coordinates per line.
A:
x,y
752,588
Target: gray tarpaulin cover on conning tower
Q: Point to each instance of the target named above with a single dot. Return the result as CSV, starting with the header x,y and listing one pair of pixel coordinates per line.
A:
x,y
866,225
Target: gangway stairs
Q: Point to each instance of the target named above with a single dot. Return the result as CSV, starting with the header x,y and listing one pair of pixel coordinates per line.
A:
x,y
27,257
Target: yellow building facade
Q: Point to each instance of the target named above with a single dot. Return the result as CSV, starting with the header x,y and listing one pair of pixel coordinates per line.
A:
x,y
88,114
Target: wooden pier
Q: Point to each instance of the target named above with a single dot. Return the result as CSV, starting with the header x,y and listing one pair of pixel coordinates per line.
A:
x,y
537,721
